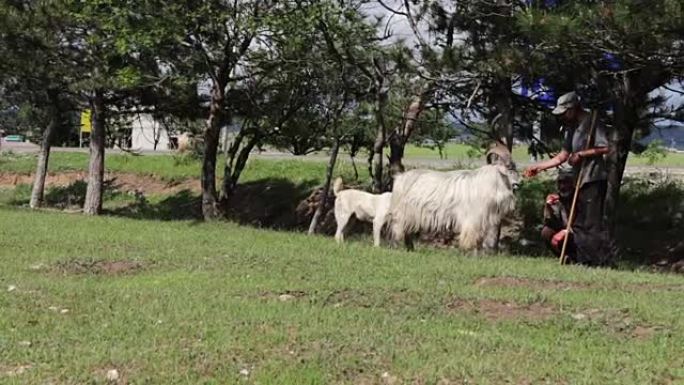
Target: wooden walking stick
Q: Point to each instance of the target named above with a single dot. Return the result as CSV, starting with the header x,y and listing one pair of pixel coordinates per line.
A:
x,y
571,217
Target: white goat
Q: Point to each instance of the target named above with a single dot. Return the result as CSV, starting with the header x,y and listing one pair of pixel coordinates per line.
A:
x,y
471,203
365,206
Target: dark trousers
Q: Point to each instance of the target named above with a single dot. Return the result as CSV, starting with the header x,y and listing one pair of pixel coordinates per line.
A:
x,y
590,205
590,236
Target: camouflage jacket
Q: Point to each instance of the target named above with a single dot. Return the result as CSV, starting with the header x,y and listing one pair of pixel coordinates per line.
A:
x,y
555,213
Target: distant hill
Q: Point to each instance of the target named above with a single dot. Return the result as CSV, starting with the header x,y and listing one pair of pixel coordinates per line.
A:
x,y
672,136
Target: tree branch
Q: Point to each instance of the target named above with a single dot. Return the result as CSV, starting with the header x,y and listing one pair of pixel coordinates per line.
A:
x,y
394,11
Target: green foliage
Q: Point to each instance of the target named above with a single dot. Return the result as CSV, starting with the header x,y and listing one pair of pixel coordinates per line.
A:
x,y
654,204
654,152
69,49
651,219
433,132
530,205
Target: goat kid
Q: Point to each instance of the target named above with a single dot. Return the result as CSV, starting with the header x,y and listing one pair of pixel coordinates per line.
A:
x,y
364,206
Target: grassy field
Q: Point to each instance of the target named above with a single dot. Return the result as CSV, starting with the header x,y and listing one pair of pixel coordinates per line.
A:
x,y
189,303
461,152
186,302
455,151
176,167
271,190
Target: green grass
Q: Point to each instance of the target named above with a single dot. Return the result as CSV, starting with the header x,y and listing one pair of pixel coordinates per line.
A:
x,y
672,159
457,151
177,167
205,306
452,151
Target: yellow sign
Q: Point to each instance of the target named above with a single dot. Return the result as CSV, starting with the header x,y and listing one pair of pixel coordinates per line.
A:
x,y
85,121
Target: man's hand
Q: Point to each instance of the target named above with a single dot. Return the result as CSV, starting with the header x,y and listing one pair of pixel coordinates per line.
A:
x,y
575,159
531,171
557,238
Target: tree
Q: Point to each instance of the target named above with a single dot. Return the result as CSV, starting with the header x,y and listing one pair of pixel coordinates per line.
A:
x,y
337,92
377,67
33,75
480,48
109,51
214,39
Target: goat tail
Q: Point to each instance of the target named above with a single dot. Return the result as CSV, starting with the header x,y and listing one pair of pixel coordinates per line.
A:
x,y
337,186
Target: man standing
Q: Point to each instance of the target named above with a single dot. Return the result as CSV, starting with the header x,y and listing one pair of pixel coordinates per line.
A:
x,y
589,233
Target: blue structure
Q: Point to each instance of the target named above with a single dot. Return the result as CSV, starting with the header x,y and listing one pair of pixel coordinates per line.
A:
x,y
547,3
611,61
537,91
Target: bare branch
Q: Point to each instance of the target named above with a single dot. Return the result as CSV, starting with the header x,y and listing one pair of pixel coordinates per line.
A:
x,y
470,127
472,97
673,90
413,25
393,11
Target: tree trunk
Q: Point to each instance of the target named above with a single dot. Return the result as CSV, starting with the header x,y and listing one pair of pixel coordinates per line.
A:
x,y
371,155
356,171
396,147
230,151
157,136
93,198
43,156
630,97
402,133
504,107
626,118
210,202
616,161
378,146
241,162
326,187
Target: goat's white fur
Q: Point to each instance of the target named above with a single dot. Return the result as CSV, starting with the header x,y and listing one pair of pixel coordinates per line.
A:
x,y
471,203
365,206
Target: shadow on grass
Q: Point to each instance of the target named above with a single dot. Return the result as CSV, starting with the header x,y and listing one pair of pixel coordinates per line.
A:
x,y
650,218
651,222
64,197
183,205
267,203
270,203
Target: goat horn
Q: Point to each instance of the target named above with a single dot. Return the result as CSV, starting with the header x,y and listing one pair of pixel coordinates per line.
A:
x,y
499,153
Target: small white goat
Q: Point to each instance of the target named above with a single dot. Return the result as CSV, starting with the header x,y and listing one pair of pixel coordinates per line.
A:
x,y
365,206
471,203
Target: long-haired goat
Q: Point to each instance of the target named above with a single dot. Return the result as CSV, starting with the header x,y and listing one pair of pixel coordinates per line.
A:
x,y
471,203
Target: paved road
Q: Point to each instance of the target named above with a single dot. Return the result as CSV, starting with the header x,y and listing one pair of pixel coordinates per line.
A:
x,y
673,171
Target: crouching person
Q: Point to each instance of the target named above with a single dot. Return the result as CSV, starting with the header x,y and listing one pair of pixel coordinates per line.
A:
x,y
586,247
556,209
